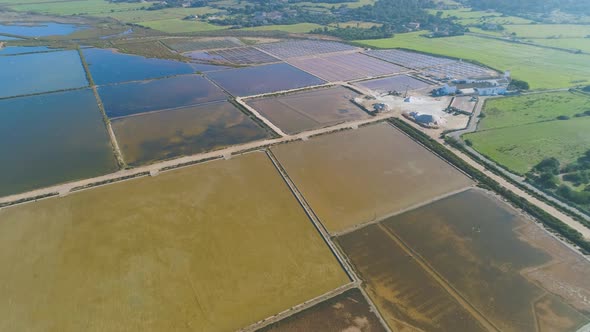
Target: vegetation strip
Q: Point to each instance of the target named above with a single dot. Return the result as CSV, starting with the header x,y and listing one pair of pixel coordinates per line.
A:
x,y
545,218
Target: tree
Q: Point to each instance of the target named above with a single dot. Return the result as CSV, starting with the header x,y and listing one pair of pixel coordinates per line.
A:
x,y
519,85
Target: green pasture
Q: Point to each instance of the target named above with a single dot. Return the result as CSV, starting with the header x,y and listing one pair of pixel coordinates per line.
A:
x,y
581,44
543,68
527,109
138,15
292,28
549,30
520,148
176,25
80,7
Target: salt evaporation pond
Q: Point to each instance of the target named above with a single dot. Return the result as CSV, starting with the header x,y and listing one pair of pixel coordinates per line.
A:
x,y
263,79
11,50
9,38
40,72
108,66
39,29
186,131
139,97
50,139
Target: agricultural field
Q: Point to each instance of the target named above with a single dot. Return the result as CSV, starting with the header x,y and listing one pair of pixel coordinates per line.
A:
x,y
346,312
291,28
177,25
520,148
186,249
467,16
490,255
50,139
307,110
164,135
138,15
406,295
519,132
582,44
544,31
367,179
79,7
346,67
558,69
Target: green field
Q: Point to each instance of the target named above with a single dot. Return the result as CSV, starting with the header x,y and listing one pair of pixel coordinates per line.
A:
x,y
292,28
176,25
582,44
542,68
519,132
549,30
81,7
466,16
517,111
132,16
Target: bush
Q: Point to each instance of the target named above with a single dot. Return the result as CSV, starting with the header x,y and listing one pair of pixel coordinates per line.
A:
x,y
468,142
563,117
548,165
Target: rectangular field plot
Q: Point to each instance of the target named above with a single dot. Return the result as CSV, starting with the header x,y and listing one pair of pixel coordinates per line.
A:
x,y
409,59
186,131
263,79
299,48
398,83
40,72
139,97
50,139
497,263
459,70
358,176
346,312
308,110
108,66
406,295
202,44
345,67
244,56
212,247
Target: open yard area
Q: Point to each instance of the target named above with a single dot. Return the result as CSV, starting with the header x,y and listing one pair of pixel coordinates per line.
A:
x,y
212,247
519,132
542,68
363,175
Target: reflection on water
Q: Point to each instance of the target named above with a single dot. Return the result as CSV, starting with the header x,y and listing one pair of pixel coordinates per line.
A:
x,y
40,72
39,29
187,131
139,97
52,138
108,66
10,50
263,79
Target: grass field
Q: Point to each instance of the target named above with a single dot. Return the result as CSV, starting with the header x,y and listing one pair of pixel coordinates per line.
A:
x,y
520,148
519,132
176,25
516,111
549,30
133,16
582,44
213,247
542,68
86,7
292,28
466,16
